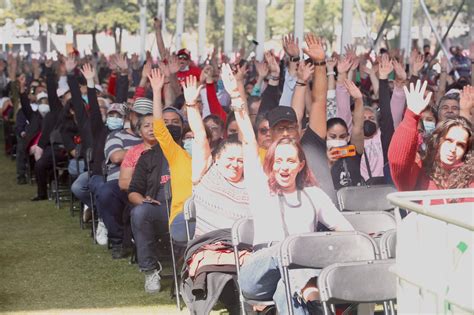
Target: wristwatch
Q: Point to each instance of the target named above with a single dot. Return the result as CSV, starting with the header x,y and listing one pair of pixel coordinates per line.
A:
x,y
319,63
294,59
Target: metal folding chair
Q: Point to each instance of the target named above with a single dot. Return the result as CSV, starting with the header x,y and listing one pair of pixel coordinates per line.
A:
x,y
358,282
242,234
56,189
91,195
373,223
320,249
365,198
189,212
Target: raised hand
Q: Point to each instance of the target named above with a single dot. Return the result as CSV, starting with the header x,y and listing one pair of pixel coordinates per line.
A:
x,y
70,63
315,48
173,63
262,69
355,63
157,80
352,89
134,61
304,71
241,72
121,63
207,75
331,63
146,71
88,72
157,24
191,89
471,51
365,68
22,82
400,73
230,82
416,102
416,62
444,63
385,67
273,66
344,64
466,101
48,63
291,45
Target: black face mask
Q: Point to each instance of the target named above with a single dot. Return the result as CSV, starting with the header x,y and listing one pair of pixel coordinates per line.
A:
x,y
370,128
175,132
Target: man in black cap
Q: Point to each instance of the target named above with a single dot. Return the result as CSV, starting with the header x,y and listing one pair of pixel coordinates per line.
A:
x,y
283,123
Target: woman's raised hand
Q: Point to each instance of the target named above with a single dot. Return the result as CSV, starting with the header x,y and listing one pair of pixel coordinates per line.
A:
x,y
191,89
230,82
416,100
157,80
88,71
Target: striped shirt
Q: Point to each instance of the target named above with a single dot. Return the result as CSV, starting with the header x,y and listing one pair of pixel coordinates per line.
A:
x,y
116,141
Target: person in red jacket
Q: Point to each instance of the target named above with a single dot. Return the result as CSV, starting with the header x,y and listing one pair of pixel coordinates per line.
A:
x,y
447,163
186,66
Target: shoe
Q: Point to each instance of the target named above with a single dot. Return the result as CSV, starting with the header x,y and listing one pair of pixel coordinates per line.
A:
x,y
101,234
119,252
86,214
21,181
39,198
152,281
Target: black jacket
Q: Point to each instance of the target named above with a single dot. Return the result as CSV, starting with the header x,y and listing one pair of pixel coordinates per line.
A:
x,y
34,118
147,174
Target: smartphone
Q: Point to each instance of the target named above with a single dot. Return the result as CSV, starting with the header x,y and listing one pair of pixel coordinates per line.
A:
x,y
346,151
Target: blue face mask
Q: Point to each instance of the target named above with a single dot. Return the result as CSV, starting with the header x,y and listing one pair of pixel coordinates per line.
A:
x,y
188,146
429,126
114,123
220,85
85,98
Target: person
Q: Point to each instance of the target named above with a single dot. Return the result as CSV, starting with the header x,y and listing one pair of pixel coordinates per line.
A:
x,y
219,196
448,161
448,106
186,67
283,187
461,64
262,130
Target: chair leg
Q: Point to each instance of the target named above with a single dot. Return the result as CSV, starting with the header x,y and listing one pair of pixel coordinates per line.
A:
x,y
81,215
326,308
91,196
175,275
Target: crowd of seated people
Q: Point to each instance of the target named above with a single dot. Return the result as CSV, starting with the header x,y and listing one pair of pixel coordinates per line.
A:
x,y
270,140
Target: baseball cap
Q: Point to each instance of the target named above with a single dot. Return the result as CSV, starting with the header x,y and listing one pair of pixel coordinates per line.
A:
x,y
281,113
41,96
116,107
174,110
184,52
143,106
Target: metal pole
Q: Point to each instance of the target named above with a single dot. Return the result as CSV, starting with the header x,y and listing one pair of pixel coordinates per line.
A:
x,y
299,20
438,48
202,30
384,23
179,23
346,23
228,26
438,38
364,25
142,29
261,19
162,13
405,27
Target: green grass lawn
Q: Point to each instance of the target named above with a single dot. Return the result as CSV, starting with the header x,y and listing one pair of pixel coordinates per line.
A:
x,y
47,262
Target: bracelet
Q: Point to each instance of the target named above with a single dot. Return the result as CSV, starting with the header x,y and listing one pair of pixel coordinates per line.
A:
x,y
300,83
319,63
191,105
331,73
294,59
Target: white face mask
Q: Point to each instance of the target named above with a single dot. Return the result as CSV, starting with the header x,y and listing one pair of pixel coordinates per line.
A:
x,y
429,126
335,143
188,146
43,109
34,107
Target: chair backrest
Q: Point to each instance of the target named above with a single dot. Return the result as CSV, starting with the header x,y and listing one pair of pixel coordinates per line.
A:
x,y
242,232
371,222
365,198
358,282
388,244
189,209
321,249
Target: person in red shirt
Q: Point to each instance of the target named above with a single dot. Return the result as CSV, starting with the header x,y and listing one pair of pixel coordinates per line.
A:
x,y
186,66
447,162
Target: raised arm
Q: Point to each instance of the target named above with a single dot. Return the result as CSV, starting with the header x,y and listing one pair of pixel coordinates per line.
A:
x,y
466,102
397,102
51,87
304,73
402,153
201,148
95,116
159,38
317,117
121,91
443,78
24,100
343,101
357,134
271,95
76,98
386,120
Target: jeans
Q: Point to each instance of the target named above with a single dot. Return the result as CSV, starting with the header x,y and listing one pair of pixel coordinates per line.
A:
x,y
76,167
111,202
21,157
148,223
178,230
261,279
83,186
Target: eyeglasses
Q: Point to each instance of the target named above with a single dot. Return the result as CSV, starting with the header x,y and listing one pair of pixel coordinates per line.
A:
x,y
183,57
289,129
263,131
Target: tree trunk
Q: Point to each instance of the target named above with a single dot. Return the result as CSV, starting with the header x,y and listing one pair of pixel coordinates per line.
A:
x,y
120,40
114,33
95,47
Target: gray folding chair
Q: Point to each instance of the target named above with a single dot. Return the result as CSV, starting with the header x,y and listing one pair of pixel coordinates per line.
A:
x,y
388,244
358,282
373,223
242,234
189,212
321,249
91,195
365,198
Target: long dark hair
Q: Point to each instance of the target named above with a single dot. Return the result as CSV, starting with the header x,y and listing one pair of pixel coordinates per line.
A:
x,y
305,177
460,177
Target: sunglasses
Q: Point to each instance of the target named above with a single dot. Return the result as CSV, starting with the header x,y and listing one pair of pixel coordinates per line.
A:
x,y
183,57
263,131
